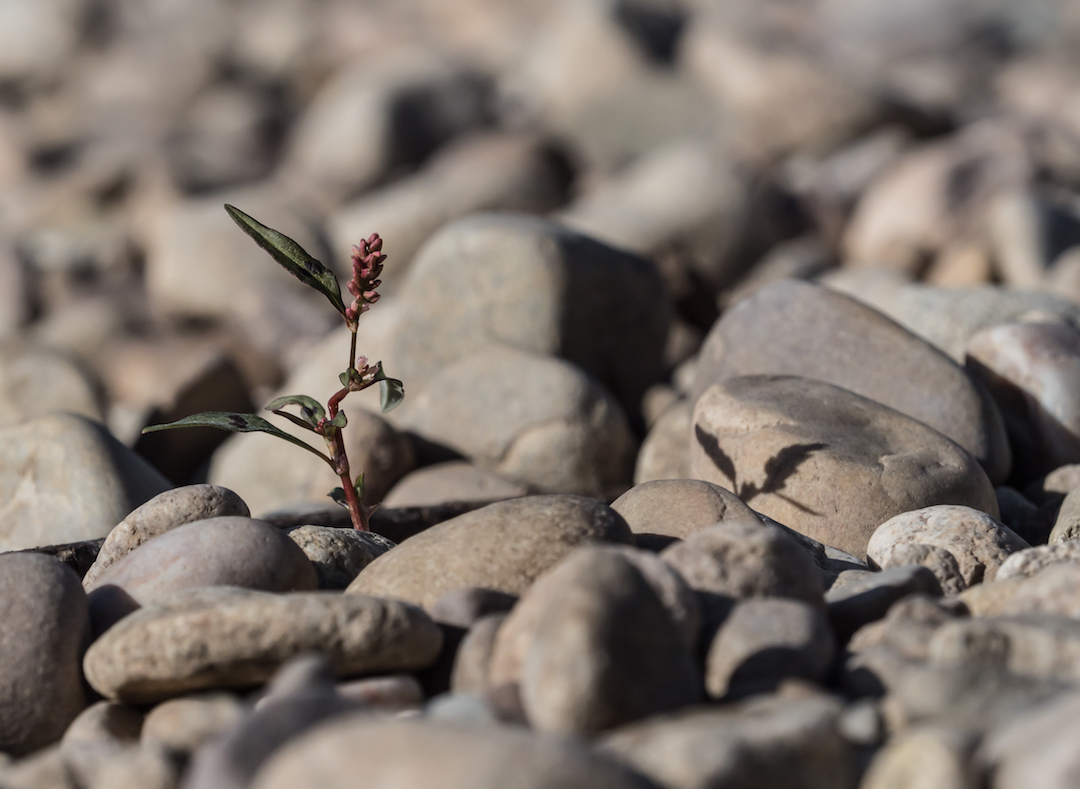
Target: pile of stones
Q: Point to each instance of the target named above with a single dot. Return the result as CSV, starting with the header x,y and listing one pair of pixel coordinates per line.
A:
x,y
741,439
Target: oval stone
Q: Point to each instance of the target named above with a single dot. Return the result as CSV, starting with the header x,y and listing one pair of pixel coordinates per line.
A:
x,y
825,461
795,328
504,546
229,551
226,637
43,629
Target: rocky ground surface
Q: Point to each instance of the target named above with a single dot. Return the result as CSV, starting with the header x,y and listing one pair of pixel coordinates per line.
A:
x,y
741,440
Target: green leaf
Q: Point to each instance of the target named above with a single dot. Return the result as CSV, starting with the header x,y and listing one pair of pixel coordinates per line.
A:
x,y
235,423
311,410
391,391
339,421
360,486
291,256
338,495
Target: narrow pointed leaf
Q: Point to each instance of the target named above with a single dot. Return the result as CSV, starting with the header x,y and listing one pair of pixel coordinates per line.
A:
x,y
311,408
235,423
360,486
291,256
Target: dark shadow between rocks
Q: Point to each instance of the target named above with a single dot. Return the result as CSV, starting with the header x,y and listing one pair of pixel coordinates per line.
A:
x,y
108,605
778,469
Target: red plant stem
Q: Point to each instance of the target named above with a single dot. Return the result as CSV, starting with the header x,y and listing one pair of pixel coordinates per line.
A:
x,y
357,510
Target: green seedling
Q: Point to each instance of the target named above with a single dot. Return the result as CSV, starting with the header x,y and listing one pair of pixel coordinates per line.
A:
x,y
328,421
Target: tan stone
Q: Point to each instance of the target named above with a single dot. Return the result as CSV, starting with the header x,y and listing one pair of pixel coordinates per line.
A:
x,y
825,461
504,546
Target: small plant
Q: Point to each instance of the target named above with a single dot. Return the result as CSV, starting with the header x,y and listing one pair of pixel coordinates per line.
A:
x,y
328,421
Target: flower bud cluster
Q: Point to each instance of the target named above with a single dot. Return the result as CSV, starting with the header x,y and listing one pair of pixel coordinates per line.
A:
x,y
367,262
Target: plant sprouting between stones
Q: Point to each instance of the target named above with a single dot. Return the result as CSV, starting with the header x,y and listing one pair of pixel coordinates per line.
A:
x,y
327,421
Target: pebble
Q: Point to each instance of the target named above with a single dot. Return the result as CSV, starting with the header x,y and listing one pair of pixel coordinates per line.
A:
x,y
452,480
870,598
481,172
941,562
225,551
105,723
1036,748
793,448
1028,562
1032,370
1051,590
979,542
64,478
1044,647
164,512
504,546
663,453
242,636
43,630
464,607
367,118
1067,524
537,420
765,641
760,742
680,507
936,756
419,753
35,381
533,285
472,664
338,555
796,328
182,725
744,560
604,651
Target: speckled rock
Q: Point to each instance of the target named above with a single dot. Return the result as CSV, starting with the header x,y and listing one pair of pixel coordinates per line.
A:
x,y
936,559
243,636
537,420
64,478
763,642
473,660
338,555
979,542
795,328
1028,562
868,599
228,551
416,753
43,631
1067,523
1036,748
1044,647
164,512
1051,591
825,461
504,546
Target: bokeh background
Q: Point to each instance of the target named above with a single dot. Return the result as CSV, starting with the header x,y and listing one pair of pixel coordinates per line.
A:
x,y
732,143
